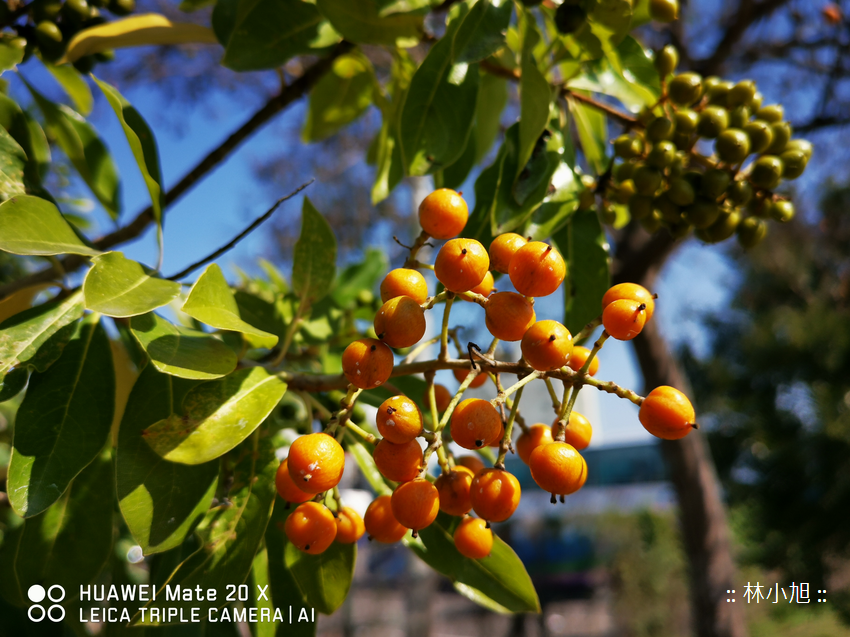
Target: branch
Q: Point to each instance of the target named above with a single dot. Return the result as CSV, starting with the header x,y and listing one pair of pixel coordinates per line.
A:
x,y
256,223
132,230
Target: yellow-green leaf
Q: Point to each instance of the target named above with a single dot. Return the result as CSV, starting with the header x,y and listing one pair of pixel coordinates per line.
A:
x,y
117,286
32,225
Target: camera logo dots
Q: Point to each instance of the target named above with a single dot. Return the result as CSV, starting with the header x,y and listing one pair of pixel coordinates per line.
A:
x,y
36,595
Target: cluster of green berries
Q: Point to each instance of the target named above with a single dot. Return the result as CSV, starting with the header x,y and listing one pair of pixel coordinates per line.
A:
x,y
571,15
666,181
48,25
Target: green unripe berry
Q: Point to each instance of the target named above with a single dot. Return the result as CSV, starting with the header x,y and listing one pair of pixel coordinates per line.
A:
x,y
669,211
647,179
732,146
664,10
719,93
803,145
80,8
782,211
652,223
694,178
741,94
724,227
739,192
767,171
710,83
660,129
681,192
755,104
586,199
793,163
781,136
760,207
627,147
771,113
122,7
702,213
666,60
624,171
569,18
683,140
739,117
751,231
760,134
661,155
47,33
640,207
685,89
712,121
714,183
45,10
625,191
686,121
679,165
608,215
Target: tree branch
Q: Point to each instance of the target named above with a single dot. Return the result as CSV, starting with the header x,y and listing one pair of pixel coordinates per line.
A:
x,y
133,229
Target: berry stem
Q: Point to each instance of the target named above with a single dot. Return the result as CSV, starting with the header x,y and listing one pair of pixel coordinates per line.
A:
x,y
341,417
432,301
612,388
556,402
456,398
444,335
317,406
293,327
423,346
421,240
506,441
432,399
515,387
566,411
596,347
587,330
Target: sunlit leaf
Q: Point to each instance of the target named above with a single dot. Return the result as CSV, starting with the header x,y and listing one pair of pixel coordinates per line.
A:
x,y
74,85
323,579
117,286
314,257
359,21
341,96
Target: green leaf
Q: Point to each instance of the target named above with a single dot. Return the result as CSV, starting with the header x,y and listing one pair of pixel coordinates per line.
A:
x,y
216,416
261,313
498,582
583,244
13,160
32,225
29,134
23,335
314,258
212,302
230,534
66,545
535,95
492,97
360,276
341,96
79,141
359,21
262,602
556,209
142,143
10,54
117,286
366,463
455,175
74,85
483,29
53,444
439,107
609,20
12,383
263,34
389,7
180,351
592,133
160,500
323,579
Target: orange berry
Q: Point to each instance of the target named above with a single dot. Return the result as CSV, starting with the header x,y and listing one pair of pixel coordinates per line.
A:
x,y
311,527
631,291
557,468
478,381
537,269
443,214
495,494
578,359
367,363
473,463
380,523
502,250
473,539
399,419
400,322
624,319
486,286
398,463
667,413
578,431
508,315
547,345
461,264
287,488
316,462
528,441
475,423
453,488
349,526
442,395
404,282
416,504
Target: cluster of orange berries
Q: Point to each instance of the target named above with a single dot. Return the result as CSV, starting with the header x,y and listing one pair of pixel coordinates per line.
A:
x,y
464,267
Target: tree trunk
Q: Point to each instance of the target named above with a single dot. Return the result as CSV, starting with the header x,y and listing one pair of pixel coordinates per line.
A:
x,y
702,514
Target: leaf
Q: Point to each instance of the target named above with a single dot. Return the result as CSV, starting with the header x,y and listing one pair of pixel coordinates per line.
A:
x,y
366,463
66,545
117,286
359,21
74,85
323,579
340,97
583,244
492,97
181,351
13,160
499,581
263,34
63,422
263,603
592,132
358,277
160,500
455,175
609,20
23,335
79,141
12,383
556,209
483,29
258,312
389,7
32,225
138,30
314,257
28,133
230,533
142,143
212,302
11,52
535,95
216,416
20,300
432,133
